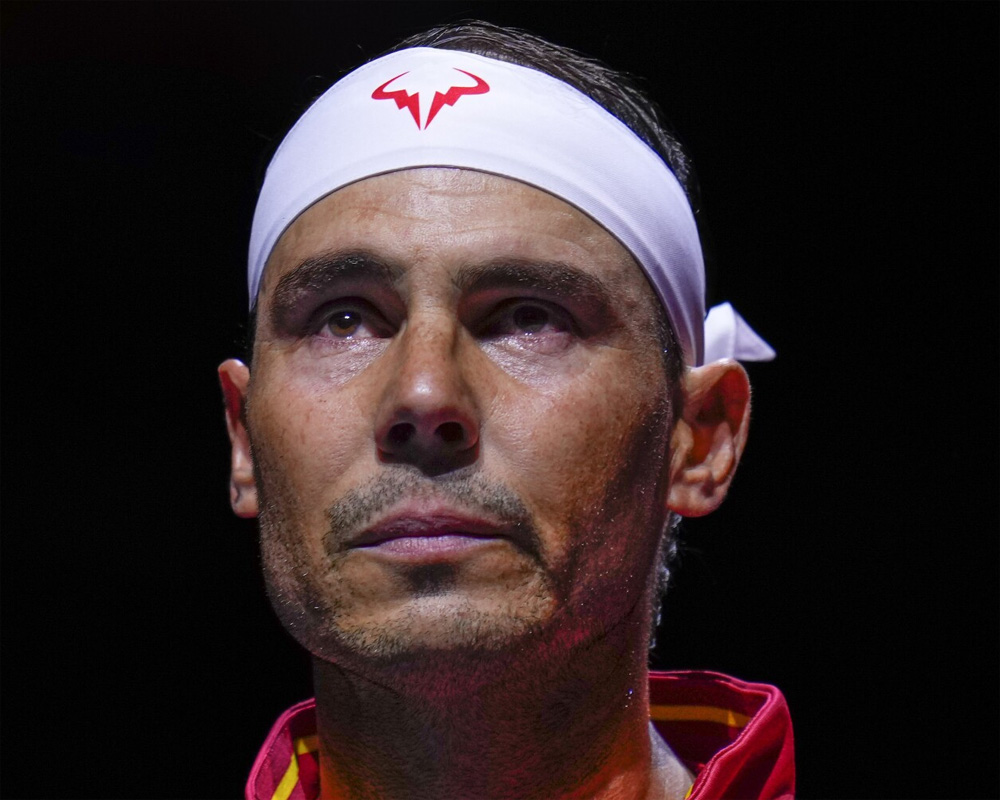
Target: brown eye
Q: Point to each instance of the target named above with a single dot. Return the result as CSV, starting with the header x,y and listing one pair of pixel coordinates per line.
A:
x,y
526,323
349,319
344,323
530,319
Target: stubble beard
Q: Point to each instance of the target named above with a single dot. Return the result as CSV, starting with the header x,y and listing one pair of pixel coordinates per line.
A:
x,y
515,639
316,609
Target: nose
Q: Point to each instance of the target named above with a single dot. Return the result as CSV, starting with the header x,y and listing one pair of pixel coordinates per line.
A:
x,y
427,415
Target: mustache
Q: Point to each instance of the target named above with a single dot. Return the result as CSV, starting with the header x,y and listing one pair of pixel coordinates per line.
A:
x,y
471,493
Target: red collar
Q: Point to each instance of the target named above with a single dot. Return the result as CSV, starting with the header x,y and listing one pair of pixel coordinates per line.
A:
x,y
735,736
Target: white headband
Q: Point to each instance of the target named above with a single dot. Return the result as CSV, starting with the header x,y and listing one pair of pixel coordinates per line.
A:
x,y
426,107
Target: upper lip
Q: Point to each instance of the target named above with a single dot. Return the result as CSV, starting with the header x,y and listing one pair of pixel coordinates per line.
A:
x,y
409,522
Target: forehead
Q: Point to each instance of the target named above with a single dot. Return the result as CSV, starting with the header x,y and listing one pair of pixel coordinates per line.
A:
x,y
452,218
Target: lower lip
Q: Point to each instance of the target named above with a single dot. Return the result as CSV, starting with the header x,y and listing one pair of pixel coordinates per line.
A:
x,y
424,548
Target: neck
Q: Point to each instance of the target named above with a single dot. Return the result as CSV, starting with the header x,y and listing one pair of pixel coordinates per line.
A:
x,y
574,729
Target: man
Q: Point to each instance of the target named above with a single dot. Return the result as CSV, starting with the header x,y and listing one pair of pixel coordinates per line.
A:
x,y
478,398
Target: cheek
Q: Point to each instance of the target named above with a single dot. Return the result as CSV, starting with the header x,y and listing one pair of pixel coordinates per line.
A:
x,y
571,446
307,439
589,465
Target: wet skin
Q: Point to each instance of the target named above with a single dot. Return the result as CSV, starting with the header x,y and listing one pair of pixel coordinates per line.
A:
x,y
455,357
463,454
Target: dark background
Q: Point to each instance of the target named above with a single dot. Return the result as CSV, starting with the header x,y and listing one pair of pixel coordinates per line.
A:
x,y
848,158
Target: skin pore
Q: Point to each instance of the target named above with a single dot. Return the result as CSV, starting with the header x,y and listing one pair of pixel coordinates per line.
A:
x,y
459,441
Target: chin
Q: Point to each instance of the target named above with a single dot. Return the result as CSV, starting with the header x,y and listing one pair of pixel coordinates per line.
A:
x,y
441,644
444,623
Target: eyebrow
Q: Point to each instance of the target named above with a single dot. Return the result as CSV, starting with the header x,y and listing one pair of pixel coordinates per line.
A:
x,y
317,273
360,268
549,277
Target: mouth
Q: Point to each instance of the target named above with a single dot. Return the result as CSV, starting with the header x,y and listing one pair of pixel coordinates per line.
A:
x,y
428,535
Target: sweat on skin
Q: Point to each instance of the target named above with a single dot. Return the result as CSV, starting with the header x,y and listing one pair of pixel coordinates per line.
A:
x,y
468,385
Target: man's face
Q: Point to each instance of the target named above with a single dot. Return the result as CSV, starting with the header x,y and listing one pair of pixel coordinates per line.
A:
x,y
460,421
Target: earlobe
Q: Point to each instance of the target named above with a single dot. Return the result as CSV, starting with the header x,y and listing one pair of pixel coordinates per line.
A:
x,y
709,438
234,376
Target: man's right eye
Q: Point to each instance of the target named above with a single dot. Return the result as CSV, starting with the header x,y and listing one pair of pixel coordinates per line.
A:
x,y
344,323
351,321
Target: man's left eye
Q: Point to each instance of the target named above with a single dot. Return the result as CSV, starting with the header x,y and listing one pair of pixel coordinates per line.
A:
x,y
527,318
530,319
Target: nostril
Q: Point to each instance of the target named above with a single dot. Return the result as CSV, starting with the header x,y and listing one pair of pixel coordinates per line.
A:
x,y
451,432
401,433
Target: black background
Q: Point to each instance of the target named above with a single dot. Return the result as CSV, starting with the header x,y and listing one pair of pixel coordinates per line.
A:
x,y
848,158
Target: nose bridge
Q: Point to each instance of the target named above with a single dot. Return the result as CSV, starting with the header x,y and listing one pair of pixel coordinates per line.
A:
x,y
428,374
428,415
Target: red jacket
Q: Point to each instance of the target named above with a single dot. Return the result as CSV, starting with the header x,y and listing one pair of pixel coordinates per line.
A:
x,y
736,737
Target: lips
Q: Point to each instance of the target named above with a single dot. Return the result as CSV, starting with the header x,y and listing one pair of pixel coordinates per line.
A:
x,y
418,533
416,525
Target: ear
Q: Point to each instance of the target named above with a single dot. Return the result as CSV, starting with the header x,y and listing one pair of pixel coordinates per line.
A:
x,y
235,378
709,438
